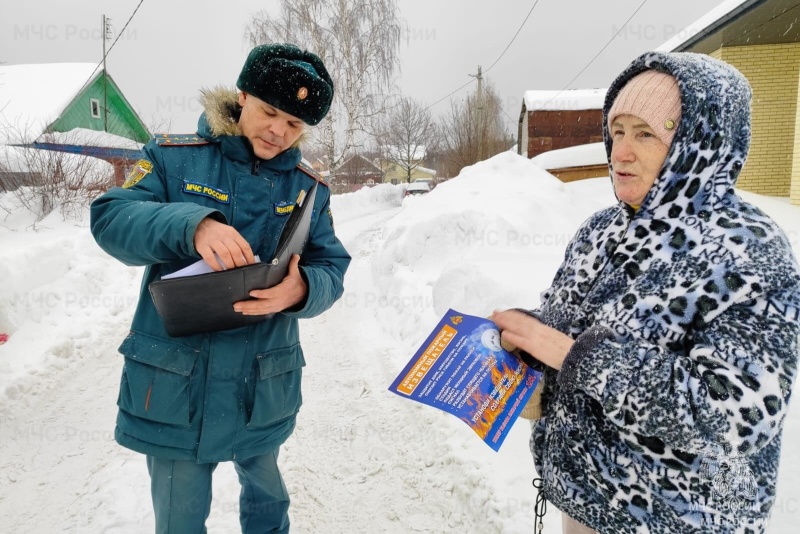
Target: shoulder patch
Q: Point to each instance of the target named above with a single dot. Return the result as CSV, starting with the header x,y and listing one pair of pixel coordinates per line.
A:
x,y
140,169
179,140
311,172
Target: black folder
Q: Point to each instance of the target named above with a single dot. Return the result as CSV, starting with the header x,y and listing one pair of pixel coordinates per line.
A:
x,y
204,303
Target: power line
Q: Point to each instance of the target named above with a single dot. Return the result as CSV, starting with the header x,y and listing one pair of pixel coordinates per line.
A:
x,y
601,50
573,79
596,55
112,45
496,60
451,94
512,39
126,25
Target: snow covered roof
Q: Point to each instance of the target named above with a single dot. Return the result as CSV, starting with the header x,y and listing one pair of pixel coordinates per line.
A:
x,y
400,151
33,96
702,24
574,156
85,137
358,163
567,99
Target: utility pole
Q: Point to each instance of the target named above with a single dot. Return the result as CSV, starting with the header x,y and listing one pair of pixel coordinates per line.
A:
x,y
480,120
105,29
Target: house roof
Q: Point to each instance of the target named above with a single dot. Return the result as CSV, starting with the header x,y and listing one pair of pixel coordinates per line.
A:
x,y
400,152
363,165
33,96
564,100
739,23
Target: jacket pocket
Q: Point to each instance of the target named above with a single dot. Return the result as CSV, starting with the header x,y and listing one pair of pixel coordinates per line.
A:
x,y
156,379
277,387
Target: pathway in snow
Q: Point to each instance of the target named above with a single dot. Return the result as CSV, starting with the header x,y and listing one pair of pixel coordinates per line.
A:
x,y
361,459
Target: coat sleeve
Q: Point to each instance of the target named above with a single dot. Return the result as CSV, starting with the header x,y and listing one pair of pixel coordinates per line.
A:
x,y
732,387
139,226
322,265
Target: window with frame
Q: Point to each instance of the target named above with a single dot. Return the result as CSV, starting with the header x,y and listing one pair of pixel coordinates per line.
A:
x,y
94,106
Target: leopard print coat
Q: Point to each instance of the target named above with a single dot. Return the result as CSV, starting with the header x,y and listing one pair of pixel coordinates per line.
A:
x,y
668,411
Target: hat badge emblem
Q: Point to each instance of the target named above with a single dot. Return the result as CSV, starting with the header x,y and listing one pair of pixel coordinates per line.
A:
x,y
302,93
669,124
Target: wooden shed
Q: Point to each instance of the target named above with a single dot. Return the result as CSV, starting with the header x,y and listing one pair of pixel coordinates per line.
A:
x,y
551,120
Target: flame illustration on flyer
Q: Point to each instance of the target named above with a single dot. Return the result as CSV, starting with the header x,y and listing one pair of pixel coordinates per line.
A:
x,y
462,369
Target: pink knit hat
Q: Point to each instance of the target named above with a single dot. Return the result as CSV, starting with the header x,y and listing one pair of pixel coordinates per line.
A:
x,y
654,97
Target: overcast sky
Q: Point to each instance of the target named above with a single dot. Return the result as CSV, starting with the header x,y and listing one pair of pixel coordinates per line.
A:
x,y
172,48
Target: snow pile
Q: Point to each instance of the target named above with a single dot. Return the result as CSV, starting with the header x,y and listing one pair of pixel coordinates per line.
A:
x,y
59,298
574,156
477,242
365,201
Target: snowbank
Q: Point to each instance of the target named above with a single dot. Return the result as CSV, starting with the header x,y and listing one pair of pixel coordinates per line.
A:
x,y
60,296
477,242
574,156
365,201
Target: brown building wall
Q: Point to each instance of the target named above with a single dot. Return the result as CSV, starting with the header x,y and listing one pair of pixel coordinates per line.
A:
x,y
551,130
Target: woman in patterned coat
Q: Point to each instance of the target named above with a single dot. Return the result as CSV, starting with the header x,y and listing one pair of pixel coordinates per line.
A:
x,y
669,336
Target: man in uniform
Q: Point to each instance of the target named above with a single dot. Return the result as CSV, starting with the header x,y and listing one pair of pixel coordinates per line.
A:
x,y
223,195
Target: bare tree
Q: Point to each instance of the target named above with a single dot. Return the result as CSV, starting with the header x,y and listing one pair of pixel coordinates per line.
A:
x,y
472,131
407,135
43,180
359,42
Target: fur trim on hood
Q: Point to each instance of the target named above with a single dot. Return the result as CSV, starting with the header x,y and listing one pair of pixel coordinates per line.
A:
x,y
222,109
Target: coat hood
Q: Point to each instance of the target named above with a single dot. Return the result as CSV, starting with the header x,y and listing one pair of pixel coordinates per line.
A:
x,y
222,110
685,320
711,140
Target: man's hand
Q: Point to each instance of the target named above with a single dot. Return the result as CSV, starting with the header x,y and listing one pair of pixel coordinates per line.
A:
x,y
546,344
215,237
289,292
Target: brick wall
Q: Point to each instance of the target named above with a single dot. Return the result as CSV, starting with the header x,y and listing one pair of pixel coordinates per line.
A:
x,y
773,165
551,130
794,186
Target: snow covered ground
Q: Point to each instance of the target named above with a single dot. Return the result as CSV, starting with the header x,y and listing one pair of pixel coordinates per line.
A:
x,y
361,459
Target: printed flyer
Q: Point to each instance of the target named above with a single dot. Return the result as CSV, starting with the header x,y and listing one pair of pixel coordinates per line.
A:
x,y
462,369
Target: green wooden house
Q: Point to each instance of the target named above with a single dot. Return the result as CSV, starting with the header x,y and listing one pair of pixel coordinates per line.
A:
x,y
70,107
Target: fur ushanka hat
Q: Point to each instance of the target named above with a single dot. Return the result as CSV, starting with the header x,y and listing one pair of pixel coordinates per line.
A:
x,y
291,79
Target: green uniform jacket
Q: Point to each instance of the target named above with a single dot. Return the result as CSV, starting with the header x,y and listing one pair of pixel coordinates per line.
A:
x,y
227,395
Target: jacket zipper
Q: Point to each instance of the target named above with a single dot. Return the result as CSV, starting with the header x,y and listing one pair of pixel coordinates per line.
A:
x,y
256,165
